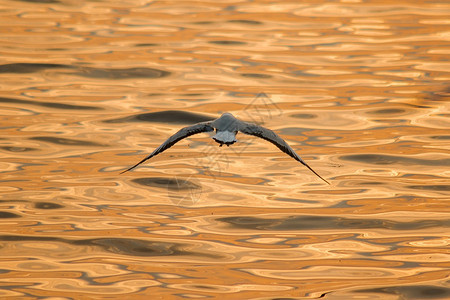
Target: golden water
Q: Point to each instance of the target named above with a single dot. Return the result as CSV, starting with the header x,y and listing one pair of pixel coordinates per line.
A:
x,y
359,89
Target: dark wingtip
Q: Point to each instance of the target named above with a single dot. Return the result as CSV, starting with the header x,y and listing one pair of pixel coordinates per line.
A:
x,y
131,168
325,181
322,178
126,170
319,176
306,165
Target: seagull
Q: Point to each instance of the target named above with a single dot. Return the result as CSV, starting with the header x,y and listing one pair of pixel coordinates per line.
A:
x,y
226,127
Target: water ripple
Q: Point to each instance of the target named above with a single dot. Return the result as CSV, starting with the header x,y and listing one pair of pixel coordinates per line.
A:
x,y
88,72
359,90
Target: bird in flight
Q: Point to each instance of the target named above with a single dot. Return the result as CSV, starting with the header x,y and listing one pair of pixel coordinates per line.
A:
x,y
226,127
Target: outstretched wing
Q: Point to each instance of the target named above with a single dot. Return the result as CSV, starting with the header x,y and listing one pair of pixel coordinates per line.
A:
x,y
181,134
269,135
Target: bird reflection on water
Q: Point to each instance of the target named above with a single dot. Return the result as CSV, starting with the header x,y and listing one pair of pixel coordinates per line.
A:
x,y
226,128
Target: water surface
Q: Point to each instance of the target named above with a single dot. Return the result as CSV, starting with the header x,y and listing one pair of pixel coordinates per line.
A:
x,y
359,89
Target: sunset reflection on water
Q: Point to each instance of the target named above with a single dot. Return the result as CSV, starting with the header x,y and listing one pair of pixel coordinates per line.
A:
x,y
359,90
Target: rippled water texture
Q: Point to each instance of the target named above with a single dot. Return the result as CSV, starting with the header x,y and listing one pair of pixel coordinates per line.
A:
x,y
360,89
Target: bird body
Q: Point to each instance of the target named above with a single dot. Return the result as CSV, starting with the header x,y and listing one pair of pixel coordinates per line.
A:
x,y
226,127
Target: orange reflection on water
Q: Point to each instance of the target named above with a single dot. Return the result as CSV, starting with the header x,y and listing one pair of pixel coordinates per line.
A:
x,y
359,90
